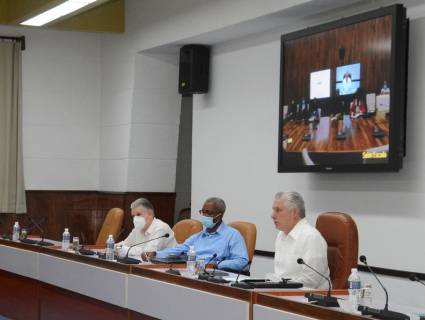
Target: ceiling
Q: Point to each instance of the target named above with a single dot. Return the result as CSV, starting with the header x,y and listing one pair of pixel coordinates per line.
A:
x,y
101,16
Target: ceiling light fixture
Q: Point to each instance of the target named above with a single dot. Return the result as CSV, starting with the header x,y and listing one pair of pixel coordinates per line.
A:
x,y
56,12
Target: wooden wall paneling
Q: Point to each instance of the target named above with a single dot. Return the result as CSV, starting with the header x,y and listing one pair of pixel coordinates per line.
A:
x,y
58,303
368,42
18,297
83,211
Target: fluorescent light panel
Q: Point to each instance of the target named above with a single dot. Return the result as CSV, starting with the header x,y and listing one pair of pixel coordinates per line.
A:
x,y
57,12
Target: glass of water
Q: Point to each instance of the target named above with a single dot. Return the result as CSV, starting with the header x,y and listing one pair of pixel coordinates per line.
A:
x,y
200,265
76,243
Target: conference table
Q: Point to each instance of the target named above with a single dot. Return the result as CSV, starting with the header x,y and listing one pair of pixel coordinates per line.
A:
x,y
48,283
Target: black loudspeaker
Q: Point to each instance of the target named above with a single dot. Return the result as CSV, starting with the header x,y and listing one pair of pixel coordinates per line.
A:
x,y
194,69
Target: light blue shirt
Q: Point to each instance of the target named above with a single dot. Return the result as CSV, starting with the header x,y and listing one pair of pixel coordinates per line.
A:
x,y
226,242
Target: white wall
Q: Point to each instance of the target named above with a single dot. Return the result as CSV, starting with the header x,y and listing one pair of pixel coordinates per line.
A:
x,y
60,94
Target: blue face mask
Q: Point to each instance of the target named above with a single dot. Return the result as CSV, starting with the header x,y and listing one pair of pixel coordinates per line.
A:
x,y
208,222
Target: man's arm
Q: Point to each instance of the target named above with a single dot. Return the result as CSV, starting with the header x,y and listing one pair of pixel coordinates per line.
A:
x,y
179,249
238,256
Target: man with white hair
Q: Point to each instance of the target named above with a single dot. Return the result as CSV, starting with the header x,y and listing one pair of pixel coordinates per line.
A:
x,y
298,239
146,227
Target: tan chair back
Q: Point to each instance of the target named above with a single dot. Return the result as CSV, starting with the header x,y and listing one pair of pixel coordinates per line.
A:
x,y
185,228
111,225
340,233
249,233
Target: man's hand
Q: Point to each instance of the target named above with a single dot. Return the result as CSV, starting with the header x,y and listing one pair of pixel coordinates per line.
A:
x,y
146,256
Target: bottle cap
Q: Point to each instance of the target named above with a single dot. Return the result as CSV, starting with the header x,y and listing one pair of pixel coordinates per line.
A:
x,y
353,269
16,223
66,230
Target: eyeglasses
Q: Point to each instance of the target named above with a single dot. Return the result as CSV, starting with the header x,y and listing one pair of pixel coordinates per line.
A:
x,y
206,213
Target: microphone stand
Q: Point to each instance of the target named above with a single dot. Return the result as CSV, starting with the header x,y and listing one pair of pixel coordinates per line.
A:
x,y
383,314
205,274
128,260
30,241
320,299
41,242
82,251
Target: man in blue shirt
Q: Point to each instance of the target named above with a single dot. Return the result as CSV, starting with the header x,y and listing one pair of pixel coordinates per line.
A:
x,y
216,238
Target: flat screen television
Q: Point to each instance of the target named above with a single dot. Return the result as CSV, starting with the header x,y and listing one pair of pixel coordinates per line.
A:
x,y
343,90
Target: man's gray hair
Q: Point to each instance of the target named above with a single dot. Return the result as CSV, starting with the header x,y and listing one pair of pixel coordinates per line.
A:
x,y
143,203
293,200
218,203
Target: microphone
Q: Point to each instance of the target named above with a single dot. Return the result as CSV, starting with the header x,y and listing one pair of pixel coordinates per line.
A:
x,y
414,277
320,299
27,240
85,252
127,260
209,261
41,242
174,271
239,273
213,277
384,313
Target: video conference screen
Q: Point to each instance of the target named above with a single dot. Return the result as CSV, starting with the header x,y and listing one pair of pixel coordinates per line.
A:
x,y
341,107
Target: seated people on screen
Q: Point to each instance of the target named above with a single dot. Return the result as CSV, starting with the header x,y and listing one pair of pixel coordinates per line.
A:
x,y
346,85
357,107
215,238
292,111
146,227
385,89
298,239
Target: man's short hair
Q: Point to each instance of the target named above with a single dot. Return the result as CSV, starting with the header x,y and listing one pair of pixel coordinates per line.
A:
x,y
143,203
218,203
293,200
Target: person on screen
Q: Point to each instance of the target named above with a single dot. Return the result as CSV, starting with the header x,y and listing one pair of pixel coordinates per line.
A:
x,y
298,239
146,227
357,107
346,85
292,111
385,89
215,238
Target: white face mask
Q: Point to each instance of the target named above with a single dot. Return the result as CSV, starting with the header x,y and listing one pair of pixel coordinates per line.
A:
x,y
139,222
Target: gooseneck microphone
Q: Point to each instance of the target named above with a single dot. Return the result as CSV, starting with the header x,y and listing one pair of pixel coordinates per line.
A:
x,y
214,256
127,260
241,270
414,277
41,242
384,314
320,299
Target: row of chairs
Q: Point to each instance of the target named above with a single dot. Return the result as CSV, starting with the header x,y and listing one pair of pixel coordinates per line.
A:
x,y
338,229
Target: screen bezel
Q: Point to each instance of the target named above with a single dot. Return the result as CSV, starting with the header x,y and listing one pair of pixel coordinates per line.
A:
x,y
399,40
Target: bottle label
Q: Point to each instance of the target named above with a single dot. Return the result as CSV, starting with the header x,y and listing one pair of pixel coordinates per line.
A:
x,y
354,285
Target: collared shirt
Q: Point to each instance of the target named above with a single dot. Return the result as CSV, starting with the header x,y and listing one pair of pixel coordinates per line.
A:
x,y
226,242
303,241
156,229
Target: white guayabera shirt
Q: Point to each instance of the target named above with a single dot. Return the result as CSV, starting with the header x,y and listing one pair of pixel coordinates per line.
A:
x,y
156,229
306,242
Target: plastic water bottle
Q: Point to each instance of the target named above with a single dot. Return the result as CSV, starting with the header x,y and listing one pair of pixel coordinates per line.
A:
x,y
110,243
66,238
354,289
16,231
191,261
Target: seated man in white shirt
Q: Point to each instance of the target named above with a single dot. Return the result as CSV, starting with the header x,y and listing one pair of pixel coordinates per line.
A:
x,y
298,239
146,227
